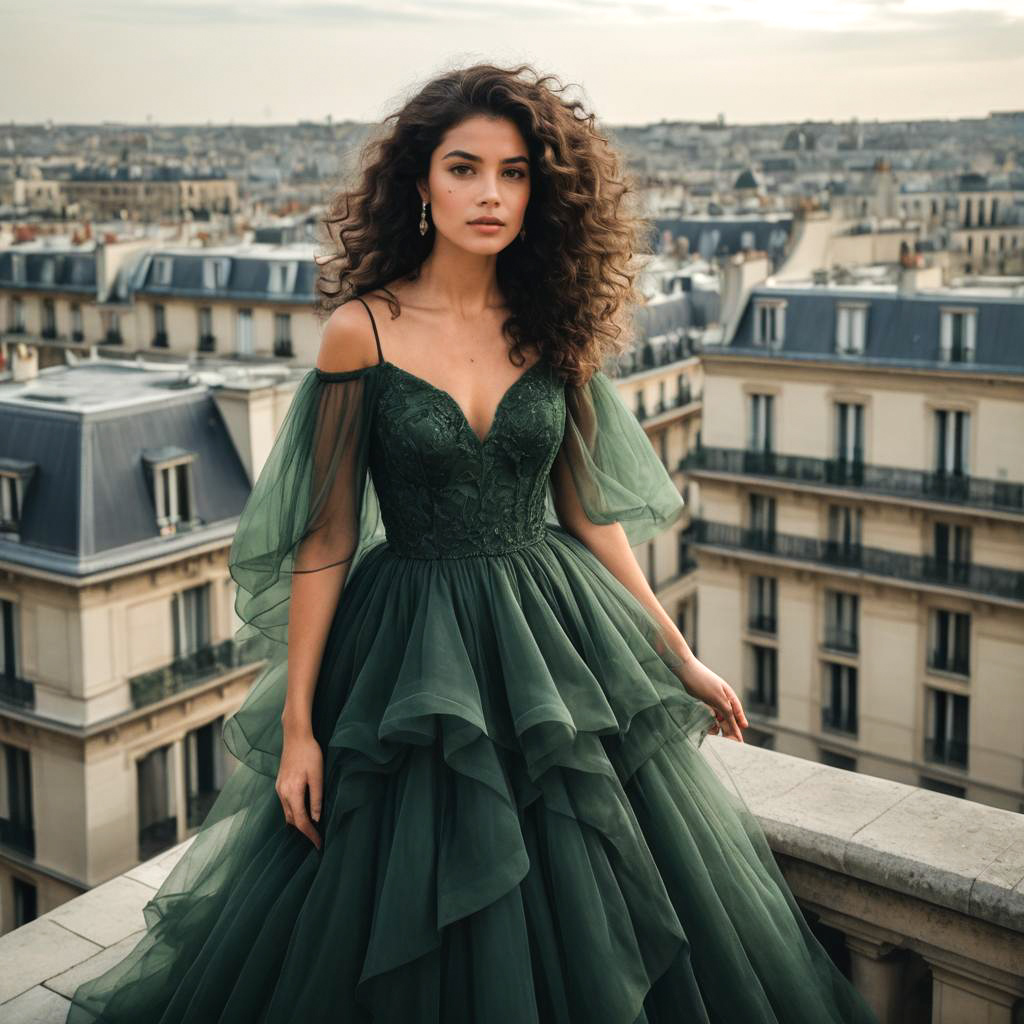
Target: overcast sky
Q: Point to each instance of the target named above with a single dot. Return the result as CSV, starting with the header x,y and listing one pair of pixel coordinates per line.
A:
x,y
177,61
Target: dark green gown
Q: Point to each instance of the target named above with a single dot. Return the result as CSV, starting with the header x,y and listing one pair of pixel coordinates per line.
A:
x,y
518,826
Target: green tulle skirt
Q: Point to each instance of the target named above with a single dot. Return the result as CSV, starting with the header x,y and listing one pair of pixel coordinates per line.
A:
x,y
518,826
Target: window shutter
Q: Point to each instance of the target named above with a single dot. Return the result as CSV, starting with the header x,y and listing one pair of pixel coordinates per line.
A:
x,y
970,323
946,337
842,329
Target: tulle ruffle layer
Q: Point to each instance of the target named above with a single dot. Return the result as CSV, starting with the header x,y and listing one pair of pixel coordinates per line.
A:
x,y
518,827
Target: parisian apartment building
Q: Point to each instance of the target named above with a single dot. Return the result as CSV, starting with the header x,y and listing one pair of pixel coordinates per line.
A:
x,y
860,527
120,490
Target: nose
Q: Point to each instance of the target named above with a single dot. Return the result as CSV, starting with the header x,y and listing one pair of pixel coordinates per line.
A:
x,y
489,189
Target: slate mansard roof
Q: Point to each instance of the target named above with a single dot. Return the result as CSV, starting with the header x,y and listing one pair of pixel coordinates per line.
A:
x,y
63,270
88,506
901,330
247,276
711,236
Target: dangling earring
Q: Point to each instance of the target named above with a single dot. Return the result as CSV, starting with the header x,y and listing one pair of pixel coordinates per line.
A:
x,y
522,235
423,218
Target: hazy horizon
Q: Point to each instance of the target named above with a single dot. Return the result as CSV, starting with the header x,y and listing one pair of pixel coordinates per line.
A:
x,y
282,61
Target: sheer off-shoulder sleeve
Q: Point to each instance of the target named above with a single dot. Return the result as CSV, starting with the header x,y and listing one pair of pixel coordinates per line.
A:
x,y
617,475
313,506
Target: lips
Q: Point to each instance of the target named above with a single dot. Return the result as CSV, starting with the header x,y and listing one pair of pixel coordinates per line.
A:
x,y
487,220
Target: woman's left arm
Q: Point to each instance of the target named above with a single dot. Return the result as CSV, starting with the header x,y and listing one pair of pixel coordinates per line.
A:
x,y
610,545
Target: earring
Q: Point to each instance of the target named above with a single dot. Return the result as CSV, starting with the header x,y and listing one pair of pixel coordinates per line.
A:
x,y
522,235
423,218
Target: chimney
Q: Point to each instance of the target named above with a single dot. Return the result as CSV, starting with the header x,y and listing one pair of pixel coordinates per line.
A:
x,y
25,364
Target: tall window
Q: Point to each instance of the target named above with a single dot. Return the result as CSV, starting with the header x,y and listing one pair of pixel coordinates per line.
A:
x,y
851,329
205,769
952,428
763,603
281,277
759,420
839,708
190,620
686,620
949,641
172,493
761,510
8,639
77,329
111,326
769,322
155,789
26,901
244,333
951,551
163,267
49,319
215,272
844,533
946,734
17,825
10,502
957,334
762,696
159,325
282,334
841,619
206,339
16,324
849,450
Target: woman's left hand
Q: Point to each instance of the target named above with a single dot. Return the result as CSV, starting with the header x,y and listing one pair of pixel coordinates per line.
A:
x,y
706,685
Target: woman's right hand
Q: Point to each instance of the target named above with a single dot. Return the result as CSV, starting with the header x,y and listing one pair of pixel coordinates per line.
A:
x,y
302,767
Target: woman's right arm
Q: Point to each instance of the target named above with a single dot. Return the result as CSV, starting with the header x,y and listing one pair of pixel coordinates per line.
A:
x,y
344,346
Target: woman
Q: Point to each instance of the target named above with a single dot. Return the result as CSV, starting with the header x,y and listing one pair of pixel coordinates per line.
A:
x,y
479,723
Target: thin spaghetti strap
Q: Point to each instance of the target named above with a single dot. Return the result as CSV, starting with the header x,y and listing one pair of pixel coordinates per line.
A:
x,y
380,354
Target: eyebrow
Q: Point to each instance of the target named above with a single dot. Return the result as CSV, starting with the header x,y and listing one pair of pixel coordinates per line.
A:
x,y
471,156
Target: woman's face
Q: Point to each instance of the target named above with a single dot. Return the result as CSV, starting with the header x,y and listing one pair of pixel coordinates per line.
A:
x,y
480,169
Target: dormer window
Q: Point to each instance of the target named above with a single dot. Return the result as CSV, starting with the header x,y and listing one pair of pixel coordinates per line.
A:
x,y
172,485
282,278
18,267
851,328
47,271
769,322
956,335
215,272
15,475
163,268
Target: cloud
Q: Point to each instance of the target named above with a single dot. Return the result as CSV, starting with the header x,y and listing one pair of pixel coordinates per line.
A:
x,y
889,16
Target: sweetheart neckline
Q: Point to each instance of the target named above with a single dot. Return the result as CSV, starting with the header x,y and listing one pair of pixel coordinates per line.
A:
x,y
481,442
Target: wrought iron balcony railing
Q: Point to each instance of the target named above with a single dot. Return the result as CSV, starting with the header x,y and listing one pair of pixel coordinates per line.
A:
x,y
839,720
981,579
760,701
189,670
946,751
952,487
762,623
18,836
840,638
17,692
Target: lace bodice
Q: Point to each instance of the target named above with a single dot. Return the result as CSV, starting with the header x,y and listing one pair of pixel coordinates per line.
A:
x,y
445,493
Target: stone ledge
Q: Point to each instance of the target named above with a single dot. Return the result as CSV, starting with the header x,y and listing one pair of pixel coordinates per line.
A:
x,y
941,849
831,828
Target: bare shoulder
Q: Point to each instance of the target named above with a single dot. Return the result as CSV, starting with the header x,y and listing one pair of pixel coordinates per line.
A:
x,y
347,342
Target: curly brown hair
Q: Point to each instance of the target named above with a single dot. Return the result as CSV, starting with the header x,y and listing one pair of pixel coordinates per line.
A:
x,y
570,283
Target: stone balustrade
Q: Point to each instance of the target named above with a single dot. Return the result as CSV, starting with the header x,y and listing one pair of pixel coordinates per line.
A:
x,y
919,895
